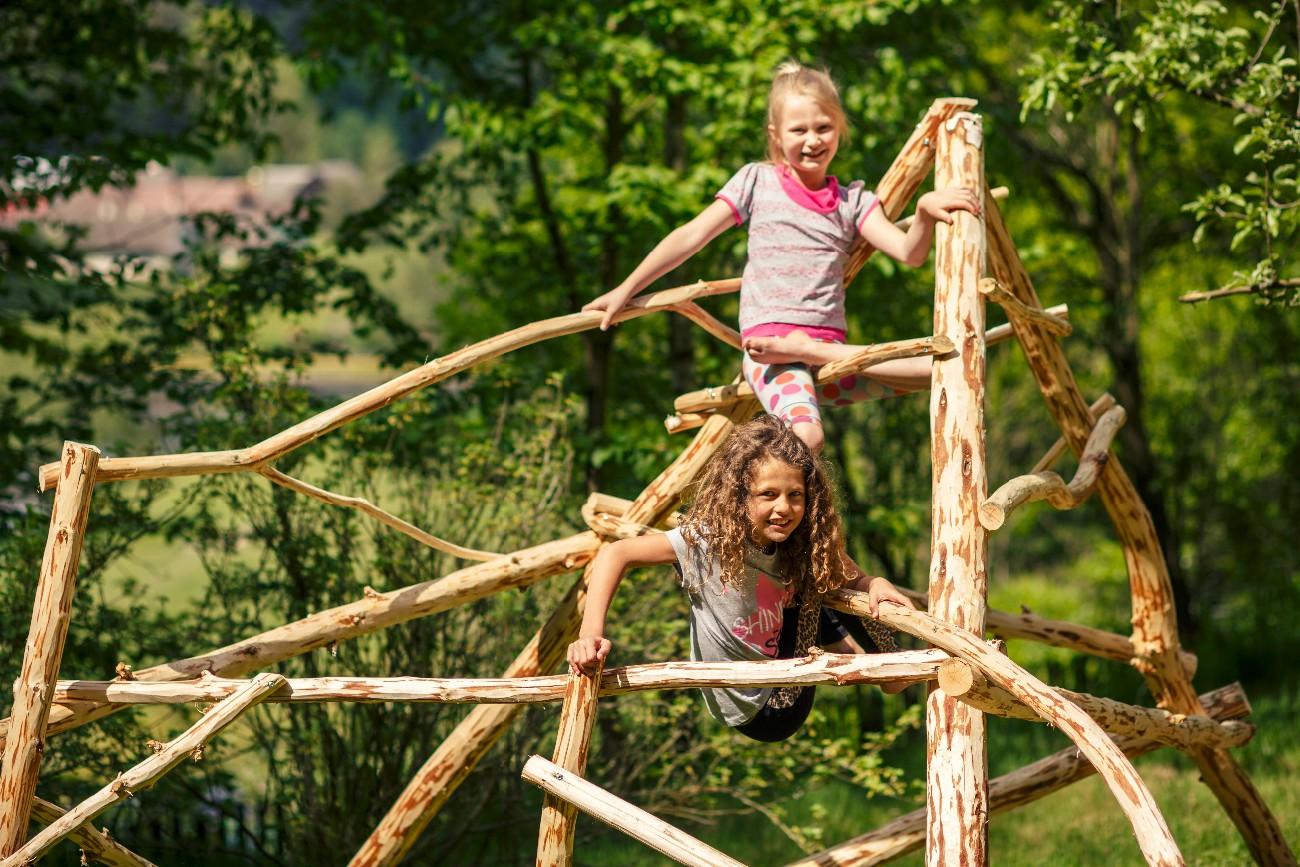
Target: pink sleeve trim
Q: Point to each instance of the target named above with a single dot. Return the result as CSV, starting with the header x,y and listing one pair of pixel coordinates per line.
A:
x,y
735,212
875,200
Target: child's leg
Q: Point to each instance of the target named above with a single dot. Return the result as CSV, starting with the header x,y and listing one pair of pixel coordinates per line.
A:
x,y
796,348
787,392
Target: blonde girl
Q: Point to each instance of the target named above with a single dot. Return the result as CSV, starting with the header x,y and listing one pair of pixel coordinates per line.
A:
x,y
802,224
759,548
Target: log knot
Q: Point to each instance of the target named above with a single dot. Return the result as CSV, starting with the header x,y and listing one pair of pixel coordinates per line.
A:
x,y
124,671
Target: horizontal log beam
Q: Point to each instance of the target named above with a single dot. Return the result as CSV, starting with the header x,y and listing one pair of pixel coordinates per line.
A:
x,y
1017,309
1007,792
605,519
684,421
366,507
831,669
721,396
146,773
1134,798
373,612
623,816
961,681
279,445
1048,486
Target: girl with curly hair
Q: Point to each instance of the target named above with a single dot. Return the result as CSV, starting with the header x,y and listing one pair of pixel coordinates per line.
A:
x,y
759,548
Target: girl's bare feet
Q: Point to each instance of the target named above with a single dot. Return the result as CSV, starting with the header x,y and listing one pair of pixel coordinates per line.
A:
x,y
796,348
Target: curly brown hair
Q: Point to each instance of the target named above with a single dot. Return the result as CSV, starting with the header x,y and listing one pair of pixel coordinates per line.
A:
x,y
813,557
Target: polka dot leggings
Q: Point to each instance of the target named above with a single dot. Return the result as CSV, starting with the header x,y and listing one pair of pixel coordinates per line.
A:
x,y
789,391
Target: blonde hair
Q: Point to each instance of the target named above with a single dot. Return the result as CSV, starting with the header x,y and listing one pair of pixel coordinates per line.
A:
x,y
792,77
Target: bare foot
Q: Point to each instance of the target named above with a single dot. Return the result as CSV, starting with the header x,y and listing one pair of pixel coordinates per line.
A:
x,y
796,348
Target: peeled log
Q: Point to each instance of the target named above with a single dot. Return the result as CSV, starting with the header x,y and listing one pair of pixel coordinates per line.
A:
x,y
961,681
559,818
622,816
1049,486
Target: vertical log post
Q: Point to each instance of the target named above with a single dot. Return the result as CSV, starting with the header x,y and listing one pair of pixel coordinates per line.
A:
x,y
957,761
559,818
34,689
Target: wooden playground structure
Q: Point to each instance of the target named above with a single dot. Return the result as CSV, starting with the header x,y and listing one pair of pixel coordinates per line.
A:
x,y
970,677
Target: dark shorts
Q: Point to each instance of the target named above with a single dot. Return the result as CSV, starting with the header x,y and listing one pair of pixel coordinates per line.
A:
x,y
777,724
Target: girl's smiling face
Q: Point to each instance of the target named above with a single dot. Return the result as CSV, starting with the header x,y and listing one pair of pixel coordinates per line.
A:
x,y
775,503
807,137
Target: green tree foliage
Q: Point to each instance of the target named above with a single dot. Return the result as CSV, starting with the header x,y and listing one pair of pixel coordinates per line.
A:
x,y
1140,57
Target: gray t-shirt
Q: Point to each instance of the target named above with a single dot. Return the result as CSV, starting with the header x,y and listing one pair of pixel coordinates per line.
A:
x,y
730,624
799,245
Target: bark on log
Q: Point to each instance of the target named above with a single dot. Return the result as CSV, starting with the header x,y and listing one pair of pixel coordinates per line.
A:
x,y
831,669
1047,485
709,323
622,816
1023,786
51,612
962,681
1157,844
1155,628
684,421
559,818
253,457
365,506
956,743
720,396
146,773
434,783
993,290
375,611
1058,448
95,845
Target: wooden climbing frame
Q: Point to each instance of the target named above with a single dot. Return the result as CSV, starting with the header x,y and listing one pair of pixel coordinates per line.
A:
x,y
975,261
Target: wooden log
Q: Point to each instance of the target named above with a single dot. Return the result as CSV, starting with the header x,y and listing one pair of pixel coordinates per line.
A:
x,y
956,743
720,396
908,171
602,513
373,612
1155,627
452,761
1047,485
830,669
366,507
95,845
1007,792
559,818
51,612
709,323
1157,844
993,291
622,816
253,457
1058,448
147,772
684,421
961,681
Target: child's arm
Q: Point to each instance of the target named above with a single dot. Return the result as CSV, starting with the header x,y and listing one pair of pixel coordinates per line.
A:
x,y
607,570
677,246
880,590
912,248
